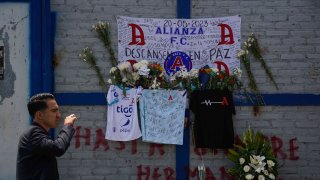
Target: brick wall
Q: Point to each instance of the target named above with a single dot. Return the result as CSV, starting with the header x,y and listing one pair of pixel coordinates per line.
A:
x,y
288,31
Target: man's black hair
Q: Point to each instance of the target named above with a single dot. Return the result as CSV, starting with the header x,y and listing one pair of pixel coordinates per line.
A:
x,y
38,102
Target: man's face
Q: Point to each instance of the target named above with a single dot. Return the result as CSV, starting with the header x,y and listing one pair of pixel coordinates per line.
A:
x,y
51,116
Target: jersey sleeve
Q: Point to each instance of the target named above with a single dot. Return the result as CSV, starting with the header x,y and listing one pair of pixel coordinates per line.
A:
x,y
139,91
111,99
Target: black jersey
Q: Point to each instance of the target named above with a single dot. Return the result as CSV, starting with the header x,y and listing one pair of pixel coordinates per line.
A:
x,y
213,126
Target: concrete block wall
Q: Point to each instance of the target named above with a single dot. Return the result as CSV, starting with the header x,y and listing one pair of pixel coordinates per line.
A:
x,y
288,31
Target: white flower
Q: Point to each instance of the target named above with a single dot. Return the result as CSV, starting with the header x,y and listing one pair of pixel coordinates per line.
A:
x,y
172,78
258,168
142,68
124,66
135,76
201,168
145,62
270,163
237,72
182,74
178,74
249,176
138,65
143,71
112,70
246,168
242,53
101,25
124,79
162,74
155,84
261,177
256,159
271,176
242,160
245,45
215,70
265,172
257,163
109,81
251,39
194,73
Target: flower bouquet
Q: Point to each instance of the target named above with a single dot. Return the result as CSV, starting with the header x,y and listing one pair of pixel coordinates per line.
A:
x,y
212,78
251,48
151,75
253,158
182,79
145,74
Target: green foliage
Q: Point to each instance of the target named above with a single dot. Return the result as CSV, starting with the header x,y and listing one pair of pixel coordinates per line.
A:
x,y
252,48
103,31
88,57
255,49
220,79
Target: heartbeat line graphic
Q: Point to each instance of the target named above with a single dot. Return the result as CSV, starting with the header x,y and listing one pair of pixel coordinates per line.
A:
x,y
208,102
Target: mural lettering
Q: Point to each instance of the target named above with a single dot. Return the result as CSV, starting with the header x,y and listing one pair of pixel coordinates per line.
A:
x,y
83,137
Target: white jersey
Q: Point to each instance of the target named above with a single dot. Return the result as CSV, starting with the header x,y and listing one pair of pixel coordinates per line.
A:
x,y
122,118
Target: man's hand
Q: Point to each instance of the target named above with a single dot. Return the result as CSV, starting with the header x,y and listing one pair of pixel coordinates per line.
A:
x,y
69,120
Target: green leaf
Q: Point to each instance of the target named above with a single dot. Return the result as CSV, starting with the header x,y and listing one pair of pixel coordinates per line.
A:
x,y
233,152
233,155
233,171
239,147
233,158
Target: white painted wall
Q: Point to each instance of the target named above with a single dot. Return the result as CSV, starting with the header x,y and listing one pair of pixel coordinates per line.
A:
x,y
14,118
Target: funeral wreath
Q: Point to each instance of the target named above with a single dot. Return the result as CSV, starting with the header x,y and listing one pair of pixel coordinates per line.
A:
x,y
253,158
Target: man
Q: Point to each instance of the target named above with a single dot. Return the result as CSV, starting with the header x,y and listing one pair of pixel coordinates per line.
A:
x,y
36,150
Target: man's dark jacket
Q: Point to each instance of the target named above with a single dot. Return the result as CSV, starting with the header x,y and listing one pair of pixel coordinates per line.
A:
x,y
37,153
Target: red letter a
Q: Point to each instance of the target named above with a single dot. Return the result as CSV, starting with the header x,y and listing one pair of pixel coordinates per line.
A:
x,y
224,101
223,40
134,41
177,63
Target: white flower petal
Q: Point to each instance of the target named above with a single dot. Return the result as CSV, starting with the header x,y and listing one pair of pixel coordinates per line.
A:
x,y
242,160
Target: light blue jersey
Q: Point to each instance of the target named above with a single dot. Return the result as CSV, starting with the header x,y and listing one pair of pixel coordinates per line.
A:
x,y
162,114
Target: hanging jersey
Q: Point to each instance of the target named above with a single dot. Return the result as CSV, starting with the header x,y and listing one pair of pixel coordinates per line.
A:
x,y
122,117
213,126
162,114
